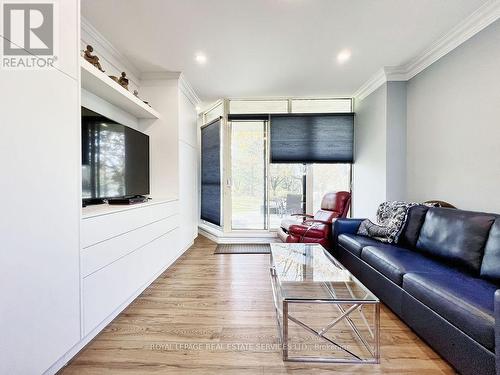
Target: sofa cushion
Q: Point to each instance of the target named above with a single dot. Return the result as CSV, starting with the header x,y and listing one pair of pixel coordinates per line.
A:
x,y
355,243
411,230
393,261
456,236
463,300
490,267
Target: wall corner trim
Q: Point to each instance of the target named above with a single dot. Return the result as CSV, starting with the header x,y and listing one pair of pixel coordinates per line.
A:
x,y
470,26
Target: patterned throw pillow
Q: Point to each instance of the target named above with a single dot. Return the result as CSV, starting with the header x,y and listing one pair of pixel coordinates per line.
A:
x,y
391,218
369,229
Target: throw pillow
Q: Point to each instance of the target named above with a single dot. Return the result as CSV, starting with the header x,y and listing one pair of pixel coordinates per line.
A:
x,y
369,229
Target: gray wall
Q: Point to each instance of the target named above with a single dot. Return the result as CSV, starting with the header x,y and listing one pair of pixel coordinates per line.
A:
x,y
396,141
369,170
453,126
379,172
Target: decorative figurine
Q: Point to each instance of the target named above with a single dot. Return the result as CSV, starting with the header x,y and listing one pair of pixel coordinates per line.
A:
x,y
93,59
123,81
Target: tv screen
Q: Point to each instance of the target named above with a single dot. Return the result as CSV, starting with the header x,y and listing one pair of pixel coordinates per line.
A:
x,y
115,159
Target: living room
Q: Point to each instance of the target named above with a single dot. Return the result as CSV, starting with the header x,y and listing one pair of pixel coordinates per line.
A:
x,y
233,187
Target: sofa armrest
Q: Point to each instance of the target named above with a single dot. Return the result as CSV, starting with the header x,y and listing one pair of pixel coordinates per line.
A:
x,y
344,226
497,330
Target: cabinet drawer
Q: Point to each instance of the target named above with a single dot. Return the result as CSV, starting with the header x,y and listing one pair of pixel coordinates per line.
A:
x,y
103,253
100,228
107,289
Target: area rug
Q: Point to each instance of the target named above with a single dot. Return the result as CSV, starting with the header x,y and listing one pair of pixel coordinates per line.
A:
x,y
262,248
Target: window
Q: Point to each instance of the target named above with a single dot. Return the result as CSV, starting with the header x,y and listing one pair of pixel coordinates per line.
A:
x,y
211,173
263,180
248,169
328,178
216,112
258,106
321,105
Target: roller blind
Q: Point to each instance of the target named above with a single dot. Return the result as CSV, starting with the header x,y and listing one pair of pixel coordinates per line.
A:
x,y
312,138
211,173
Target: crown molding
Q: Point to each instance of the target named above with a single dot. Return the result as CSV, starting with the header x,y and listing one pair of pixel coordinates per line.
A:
x,y
108,48
377,80
188,90
477,21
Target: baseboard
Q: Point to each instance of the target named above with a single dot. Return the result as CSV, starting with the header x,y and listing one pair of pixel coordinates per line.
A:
x,y
66,358
250,240
208,235
239,237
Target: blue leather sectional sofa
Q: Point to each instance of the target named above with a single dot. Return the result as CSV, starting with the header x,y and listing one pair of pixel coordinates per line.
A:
x,y
441,278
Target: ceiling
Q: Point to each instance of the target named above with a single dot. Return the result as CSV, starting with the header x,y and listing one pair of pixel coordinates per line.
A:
x,y
263,48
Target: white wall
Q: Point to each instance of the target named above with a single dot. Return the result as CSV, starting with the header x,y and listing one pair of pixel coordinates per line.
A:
x,y
453,126
39,224
369,169
188,169
164,136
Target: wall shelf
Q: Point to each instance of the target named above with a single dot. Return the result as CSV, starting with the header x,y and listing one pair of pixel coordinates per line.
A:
x,y
101,85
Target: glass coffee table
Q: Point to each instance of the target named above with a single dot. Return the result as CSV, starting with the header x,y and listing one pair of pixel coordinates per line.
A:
x,y
339,316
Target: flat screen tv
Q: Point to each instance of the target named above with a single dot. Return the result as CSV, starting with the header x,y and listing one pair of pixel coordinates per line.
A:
x,y
115,159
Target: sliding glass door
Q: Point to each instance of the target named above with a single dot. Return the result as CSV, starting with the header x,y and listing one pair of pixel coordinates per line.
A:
x,y
286,191
248,175
263,193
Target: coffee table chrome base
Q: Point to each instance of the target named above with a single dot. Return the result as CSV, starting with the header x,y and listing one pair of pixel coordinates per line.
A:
x,y
283,318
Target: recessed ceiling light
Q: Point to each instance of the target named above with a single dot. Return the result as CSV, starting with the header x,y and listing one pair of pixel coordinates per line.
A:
x,y
343,56
200,58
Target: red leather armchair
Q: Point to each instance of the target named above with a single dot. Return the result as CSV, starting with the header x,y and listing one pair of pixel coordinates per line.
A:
x,y
318,228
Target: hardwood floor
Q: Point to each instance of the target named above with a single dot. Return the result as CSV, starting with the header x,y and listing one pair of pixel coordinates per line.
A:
x,y
183,322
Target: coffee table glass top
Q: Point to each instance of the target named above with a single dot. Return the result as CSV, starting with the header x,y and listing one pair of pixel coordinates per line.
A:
x,y
309,272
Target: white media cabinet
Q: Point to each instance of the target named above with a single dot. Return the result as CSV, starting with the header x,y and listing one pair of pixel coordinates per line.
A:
x,y
123,248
